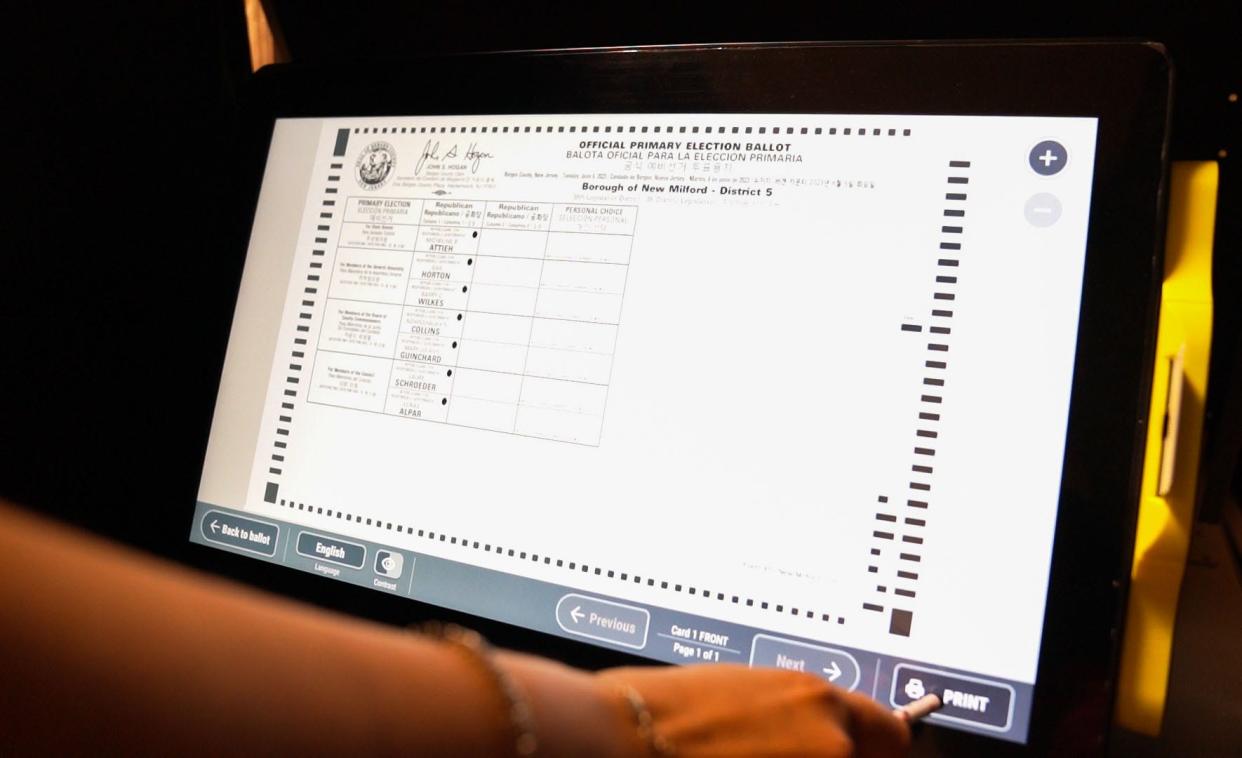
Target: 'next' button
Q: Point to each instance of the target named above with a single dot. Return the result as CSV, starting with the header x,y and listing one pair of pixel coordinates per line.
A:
x,y
837,666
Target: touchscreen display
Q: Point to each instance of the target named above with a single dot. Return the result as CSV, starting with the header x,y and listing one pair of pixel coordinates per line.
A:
x,y
782,390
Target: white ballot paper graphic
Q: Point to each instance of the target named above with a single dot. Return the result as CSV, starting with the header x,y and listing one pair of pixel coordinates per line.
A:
x,y
806,373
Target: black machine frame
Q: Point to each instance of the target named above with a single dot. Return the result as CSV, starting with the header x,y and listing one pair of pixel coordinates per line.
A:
x,y
1126,85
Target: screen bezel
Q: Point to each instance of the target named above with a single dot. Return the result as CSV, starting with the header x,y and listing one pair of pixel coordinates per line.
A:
x,y
1125,85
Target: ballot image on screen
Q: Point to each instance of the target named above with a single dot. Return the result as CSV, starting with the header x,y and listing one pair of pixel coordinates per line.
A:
x,y
786,390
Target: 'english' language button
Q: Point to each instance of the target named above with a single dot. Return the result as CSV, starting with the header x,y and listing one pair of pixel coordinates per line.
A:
x,y
332,550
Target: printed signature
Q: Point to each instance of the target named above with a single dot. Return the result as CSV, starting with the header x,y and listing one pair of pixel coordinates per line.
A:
x,y
431,152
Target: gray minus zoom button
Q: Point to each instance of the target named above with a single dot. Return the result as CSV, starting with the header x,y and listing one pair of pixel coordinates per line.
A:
x,y
837,666
604,620
331,550
240,532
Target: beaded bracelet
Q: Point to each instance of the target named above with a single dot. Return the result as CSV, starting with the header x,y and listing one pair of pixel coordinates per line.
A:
x,y
520,717
646,724
521,720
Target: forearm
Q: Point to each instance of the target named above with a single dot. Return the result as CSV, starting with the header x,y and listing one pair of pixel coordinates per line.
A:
x,y
106,649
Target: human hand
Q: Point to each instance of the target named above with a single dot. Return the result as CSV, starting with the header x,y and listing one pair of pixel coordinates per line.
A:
x,y
722,710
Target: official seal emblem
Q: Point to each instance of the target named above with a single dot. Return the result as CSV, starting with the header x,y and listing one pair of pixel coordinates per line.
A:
x,y
375,165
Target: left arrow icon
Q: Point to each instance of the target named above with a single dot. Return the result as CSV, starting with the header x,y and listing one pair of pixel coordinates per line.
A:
x,y
215,526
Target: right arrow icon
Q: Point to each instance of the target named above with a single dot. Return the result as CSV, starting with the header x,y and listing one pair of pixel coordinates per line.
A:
x,y
833,672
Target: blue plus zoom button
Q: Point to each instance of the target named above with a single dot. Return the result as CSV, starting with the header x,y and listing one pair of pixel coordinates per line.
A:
x,y
240,532
1048,157
332,550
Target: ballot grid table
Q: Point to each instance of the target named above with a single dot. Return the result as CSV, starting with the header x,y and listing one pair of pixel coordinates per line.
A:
x,y
494,315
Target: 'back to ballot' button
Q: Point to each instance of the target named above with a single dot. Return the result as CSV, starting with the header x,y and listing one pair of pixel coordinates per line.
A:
x,y
967,700
240,532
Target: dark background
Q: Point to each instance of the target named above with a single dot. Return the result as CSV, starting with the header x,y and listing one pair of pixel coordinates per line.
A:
x,y
115,291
